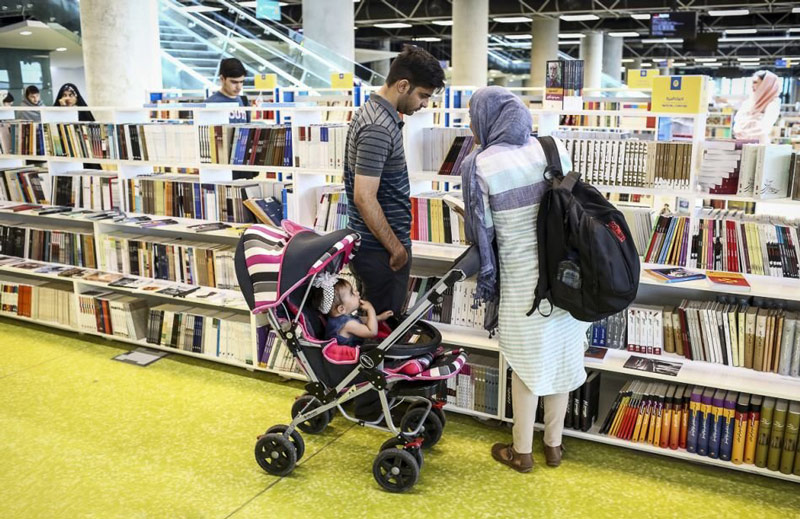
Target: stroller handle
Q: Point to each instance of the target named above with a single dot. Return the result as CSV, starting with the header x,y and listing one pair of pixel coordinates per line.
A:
x,y
469,263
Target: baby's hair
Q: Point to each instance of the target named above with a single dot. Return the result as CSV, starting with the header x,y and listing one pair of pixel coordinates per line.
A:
x,y
317,294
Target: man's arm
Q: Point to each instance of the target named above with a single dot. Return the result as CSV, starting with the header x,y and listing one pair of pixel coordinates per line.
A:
x,y
365,190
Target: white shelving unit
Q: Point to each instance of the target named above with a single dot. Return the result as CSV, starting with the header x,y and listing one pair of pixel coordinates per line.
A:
x,y
307,182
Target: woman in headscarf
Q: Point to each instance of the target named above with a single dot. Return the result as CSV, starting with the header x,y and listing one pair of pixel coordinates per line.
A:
x,y
760,111
503,185
69,95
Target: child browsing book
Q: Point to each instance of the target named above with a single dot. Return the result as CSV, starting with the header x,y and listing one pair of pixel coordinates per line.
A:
x,y
338,300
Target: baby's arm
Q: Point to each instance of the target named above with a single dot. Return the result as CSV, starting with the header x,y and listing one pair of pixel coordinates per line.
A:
x,y
366,330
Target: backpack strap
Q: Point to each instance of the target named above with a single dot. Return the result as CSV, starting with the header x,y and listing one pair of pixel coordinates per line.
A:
x,y
542,291
551,154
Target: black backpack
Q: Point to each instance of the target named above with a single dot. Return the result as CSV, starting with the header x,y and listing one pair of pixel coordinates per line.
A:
x,y
588,263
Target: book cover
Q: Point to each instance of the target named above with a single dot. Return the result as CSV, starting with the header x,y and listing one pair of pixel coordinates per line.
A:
x,y
695,414
728,425
790,438
729,280
776,435
705,421
764,432
740,428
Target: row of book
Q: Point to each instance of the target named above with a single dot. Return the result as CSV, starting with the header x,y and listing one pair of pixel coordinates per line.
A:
x,y
433,221
746,168
37,299
583,404
164,142
25,184
331,211
720,424
456,306
246,144
220,334
183,261
564,79
475,388
632,163
273,354
320,146
80,140
439,144
640,223
728,241
108,313
87,190
21,138
42,244
171,196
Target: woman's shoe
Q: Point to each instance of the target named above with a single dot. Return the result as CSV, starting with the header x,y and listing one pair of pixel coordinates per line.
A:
x,y
553,455
505,454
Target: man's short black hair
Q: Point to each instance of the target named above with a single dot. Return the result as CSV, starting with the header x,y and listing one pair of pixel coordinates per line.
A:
x,y
8,99
32,89
231,67
418,66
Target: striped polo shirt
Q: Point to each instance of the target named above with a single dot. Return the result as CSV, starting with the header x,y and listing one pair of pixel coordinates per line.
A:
x,y
374,147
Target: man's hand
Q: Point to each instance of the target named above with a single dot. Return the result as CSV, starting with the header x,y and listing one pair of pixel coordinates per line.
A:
x,y
398,258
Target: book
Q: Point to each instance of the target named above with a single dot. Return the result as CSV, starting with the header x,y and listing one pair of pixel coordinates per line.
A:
x,y
753,424
729,280
764,432
790,438
775,448
594,352
740,428
653,365
675,275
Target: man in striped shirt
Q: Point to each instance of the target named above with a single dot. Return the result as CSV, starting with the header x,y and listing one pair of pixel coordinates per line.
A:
x,y
376,177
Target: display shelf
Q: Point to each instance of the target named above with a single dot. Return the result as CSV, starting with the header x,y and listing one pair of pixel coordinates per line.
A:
x,y
436,251
49,324
704,374
760,286
471,412
467,337
434,176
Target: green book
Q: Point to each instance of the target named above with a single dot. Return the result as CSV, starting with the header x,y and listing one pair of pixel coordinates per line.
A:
x,y
790,438
776,436
764,430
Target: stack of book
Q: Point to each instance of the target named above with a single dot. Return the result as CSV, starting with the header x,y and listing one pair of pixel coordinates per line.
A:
x,y
274,355
80,140
720,424
112,314
437,145
43,244
745,168
173,196
456,306
246,144
433,221
331,210
155,142
669,243
184,261
88,189
609,332
631,163
38,299
476,387
582,407
320,146
735,242
21,138
220,334
25,184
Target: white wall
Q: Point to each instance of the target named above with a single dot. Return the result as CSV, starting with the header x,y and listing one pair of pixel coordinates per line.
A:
x,y
61,75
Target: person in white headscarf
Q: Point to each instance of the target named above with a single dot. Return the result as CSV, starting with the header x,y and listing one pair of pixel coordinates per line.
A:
x,y
760,111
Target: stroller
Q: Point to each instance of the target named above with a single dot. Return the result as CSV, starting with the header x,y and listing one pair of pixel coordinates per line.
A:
x,y
275,269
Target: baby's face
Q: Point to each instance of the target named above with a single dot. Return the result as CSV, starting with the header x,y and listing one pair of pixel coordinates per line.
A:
x,y
351,299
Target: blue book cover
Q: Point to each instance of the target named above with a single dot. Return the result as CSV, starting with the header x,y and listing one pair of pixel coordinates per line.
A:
x,y
695,413
728,426
706,422
716,421
662,256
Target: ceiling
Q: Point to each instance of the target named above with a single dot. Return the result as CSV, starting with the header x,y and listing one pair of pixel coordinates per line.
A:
x,y
60,44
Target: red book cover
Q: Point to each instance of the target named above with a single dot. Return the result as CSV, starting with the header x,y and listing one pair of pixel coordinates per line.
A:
x,y
729,280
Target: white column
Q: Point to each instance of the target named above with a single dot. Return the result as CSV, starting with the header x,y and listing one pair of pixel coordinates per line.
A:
x,y
382,66
592,54
470,42
121,51
544,48
330,24
612,56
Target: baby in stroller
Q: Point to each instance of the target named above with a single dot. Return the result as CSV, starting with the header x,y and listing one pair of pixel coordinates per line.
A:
x,y
277,270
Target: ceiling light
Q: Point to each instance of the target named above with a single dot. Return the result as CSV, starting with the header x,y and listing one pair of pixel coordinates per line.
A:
x,y
427,38
519,36
706,60
741,31
729,12
627,60
795,10
61,49
713,65
750,64
392,25
759,39
662,40
749,59
199,9
579,17
443,23
794,29
640,16
624,34
25,33
512,19
679,64
646,65
571,35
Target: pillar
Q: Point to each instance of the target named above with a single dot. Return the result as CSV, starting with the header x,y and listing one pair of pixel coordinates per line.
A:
x,y
544,48
612,56
501,81
382,66
329,23
592,55
121,51
470,42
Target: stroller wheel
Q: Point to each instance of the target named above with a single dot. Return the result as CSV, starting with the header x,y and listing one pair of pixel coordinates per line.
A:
x,y
295,438
432,429
276,454
439,412
396,470
315,425
397,443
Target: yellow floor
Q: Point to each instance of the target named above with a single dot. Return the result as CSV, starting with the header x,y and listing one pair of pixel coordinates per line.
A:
x,y
84,436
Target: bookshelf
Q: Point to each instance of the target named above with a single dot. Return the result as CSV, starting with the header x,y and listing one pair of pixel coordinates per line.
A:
x,y
301,207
